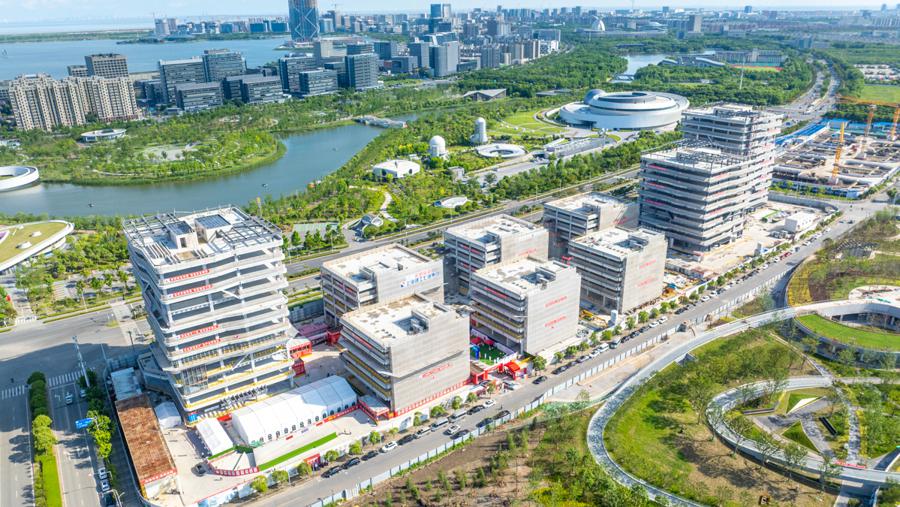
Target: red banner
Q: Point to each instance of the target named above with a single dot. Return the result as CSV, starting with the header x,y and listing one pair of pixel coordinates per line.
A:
x,y
201,345
187,275
198,331
191,291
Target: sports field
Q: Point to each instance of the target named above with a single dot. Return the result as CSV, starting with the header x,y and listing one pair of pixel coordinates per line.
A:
x,y
881,93
487,354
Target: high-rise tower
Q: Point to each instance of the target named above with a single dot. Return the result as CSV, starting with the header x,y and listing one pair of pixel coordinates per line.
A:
x,y
304,19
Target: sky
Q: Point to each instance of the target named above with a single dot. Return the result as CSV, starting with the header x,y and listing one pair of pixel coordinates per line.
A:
x,y
17,11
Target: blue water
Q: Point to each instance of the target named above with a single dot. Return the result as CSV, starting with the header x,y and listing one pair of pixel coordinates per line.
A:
x,y
53,57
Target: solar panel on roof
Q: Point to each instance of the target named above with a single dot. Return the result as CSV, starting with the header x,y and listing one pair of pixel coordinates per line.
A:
x,y
212,221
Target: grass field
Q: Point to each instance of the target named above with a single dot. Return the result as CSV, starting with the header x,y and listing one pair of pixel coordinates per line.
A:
x,y
881,93
759,68
866,338
522,123
796,433
487,354
16,236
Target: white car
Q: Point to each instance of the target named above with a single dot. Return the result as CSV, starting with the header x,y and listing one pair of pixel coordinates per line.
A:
x,y
489,403
654,324
705,298
388,447
663,319
452,429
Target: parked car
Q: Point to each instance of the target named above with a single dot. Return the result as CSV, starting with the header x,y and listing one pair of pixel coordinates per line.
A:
x,y
440,422
422,431
388,447
452,429
540,380
331,471
487,421
501,414
663,319
603,347
104,486
583,359
512,386
102,474
82,393
460,434
369,455
594,353
475,409
654,324
489,403
457,416
407,439
69,398
352,463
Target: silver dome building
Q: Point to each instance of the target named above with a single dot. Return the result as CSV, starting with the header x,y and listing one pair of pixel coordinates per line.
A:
x,y
632,110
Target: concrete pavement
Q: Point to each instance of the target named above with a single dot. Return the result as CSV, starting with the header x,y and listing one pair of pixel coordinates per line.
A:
x,y
16,486
74,449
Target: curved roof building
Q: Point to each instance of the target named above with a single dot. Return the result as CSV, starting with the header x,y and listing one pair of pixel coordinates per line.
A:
x,y
632,110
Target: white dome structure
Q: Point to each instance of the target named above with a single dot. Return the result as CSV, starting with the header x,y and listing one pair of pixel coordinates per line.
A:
x,y
437,147
598,25
480,136
633,110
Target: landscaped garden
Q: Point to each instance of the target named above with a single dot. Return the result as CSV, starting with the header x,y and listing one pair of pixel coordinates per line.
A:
x,y
866,337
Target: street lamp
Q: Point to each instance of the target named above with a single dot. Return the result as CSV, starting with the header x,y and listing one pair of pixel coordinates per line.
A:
x,y
87,381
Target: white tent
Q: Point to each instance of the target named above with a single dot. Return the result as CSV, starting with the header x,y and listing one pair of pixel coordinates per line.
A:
x,y
214,436
294,410
168,415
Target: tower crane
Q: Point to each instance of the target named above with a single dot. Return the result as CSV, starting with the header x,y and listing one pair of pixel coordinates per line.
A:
x,y
837,155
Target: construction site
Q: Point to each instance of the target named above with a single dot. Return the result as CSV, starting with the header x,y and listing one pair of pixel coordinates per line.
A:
x,y
839,158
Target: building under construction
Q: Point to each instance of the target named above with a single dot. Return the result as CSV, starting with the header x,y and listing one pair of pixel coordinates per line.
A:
x,y
813,164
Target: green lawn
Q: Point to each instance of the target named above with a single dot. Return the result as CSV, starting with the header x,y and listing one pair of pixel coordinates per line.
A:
x,y
298,451
796,433
881,93
51,480
16,236
791,399
525,120
867,338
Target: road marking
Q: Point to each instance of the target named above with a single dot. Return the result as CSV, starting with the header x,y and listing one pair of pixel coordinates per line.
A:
x,y
66,378
12,392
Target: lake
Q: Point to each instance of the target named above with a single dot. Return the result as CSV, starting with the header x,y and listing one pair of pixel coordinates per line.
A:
x,y
309,156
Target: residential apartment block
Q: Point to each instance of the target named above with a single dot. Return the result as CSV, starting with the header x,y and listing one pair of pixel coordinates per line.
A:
x,y
528,305
492,240
380,275
111,99
407,352
620,269
213,284
41,102
109,65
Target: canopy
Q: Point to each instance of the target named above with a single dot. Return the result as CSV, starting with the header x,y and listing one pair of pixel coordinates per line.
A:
x,y
294,410
214,436
168,415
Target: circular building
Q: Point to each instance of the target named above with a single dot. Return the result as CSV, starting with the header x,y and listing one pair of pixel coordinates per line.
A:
x,y
437,147
500,150
634,110
95,136
396,168
17,176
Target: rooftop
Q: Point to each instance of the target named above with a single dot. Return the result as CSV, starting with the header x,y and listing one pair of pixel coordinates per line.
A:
x,y
387,322
390,257
731,111
484,230
148,450
221,230
618,242
698,156
585,203
523,275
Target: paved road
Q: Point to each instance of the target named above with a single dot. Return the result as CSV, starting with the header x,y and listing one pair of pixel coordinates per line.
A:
x,y
15,453
74,449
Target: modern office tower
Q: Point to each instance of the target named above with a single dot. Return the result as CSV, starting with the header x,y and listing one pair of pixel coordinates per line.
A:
x,y
737,164
441,11
532,49
401,65
303,17
620,269
160,27
491,57
106,65
362,71
497,28
289,69
407,352
548,34
221,63
420,51
77,71
340,68
528,305
492,240
360,48
213,284
41,102
577,215
444,58
386,49
253,89
317,82
111,99
380,275
176,72
323,50
191,97
695,23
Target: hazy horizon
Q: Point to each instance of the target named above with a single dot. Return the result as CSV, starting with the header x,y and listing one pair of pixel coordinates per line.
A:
x,y
139,13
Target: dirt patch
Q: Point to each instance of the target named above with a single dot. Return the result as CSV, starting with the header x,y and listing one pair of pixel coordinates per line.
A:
x,y
454,479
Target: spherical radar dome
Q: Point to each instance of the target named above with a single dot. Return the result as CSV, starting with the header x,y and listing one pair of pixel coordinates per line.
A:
x,y
437,142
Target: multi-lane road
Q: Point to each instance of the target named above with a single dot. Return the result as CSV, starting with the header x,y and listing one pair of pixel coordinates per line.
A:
x,y
74,449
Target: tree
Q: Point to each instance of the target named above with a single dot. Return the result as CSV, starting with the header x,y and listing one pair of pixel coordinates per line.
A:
x,y
715,416
767,446
456,402
331,455
643,316
437,411
539,363
828,471
260,484
794,454
741,427
699,392
375,437
280,477
303,469
847,356
629,322
654,313
355,448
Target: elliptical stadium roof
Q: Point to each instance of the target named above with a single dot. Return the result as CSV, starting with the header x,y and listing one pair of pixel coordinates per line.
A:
x,y
632,110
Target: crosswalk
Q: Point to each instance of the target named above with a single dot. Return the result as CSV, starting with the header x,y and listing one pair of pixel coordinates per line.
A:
x,y
14,391
65,378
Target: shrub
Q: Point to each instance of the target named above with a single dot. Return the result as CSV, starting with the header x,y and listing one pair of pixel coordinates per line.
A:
x,y
260,484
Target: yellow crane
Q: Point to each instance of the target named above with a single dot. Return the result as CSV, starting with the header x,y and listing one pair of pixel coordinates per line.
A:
x,y
837,155
872,108
894,123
